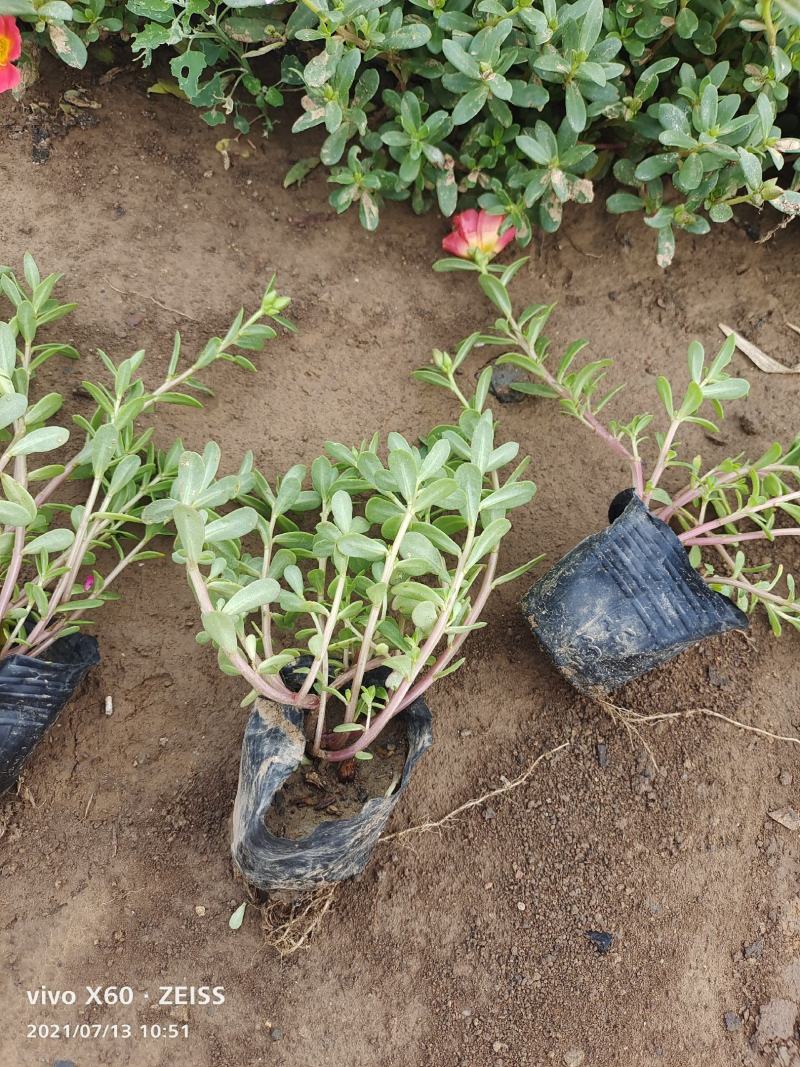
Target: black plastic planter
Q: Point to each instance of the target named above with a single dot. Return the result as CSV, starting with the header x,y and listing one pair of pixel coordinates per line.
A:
x,y
336,849
624,601
32,694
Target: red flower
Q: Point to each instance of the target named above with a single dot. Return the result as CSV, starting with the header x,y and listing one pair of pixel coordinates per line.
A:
x,y
10,48
477,233
88,584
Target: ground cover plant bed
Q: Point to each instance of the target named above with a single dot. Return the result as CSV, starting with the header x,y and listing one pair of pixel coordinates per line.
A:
x,y
427,957
690,108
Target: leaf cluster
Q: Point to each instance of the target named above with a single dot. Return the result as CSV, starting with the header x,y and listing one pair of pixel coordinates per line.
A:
x,y
520,108
374,556
59,560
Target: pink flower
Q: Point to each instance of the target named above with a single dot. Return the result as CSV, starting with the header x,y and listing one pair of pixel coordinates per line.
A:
x,y
10,48
88,585
477,233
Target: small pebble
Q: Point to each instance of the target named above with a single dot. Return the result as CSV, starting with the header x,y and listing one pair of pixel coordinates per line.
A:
x,y
502,379
199,909
754,950
732,1021
601,940
276,1033
574,1057
717,679
520,905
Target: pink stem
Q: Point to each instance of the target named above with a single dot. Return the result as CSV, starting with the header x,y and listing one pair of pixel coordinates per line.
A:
x,y
14,567
452,650
619,448
591,420
277,692
743,513
370,665
692,492
401,702
47,491
732,539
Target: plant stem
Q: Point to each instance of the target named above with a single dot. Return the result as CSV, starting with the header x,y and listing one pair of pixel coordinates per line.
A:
x,y
278,692
323,700
663,459
690,493
449,654
20,476
371,664
372,621
327,634
586,416
732,539
399,699
74,561
743,513
47,490
765,11
266,612
748,587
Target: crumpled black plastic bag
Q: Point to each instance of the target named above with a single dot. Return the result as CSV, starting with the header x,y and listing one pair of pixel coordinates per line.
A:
x,y
624,601
336,849
32,693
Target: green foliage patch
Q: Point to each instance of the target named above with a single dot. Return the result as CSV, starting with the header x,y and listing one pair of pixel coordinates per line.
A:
x,y
518,106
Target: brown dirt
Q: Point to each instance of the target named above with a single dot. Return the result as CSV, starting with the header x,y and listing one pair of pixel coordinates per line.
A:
x,y
115,854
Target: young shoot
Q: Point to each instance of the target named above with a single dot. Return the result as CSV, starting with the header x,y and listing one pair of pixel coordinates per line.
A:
x,y
373,557
724,514
59,561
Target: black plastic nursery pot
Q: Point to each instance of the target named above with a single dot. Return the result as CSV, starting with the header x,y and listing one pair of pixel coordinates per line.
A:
x,y
336,849
624,601
33,692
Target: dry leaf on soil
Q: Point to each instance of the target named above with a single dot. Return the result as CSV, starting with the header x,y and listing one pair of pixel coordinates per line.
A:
x,y
787,817
760,358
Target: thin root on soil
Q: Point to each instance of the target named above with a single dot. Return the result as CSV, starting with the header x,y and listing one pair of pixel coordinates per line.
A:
x,y
632,720
423,827
146,296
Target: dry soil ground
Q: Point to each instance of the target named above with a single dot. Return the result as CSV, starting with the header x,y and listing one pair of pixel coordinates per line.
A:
x,y
461,949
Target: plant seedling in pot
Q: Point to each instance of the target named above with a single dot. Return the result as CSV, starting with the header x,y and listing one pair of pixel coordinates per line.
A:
x,y
675,566
340,594
60,561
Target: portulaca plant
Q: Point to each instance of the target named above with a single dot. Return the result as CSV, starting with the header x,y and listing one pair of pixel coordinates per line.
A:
x,y
371,558
730,516
59,561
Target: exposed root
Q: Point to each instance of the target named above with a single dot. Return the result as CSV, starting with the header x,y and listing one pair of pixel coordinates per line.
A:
x,y
146,296
423,827
290,925
633,720
630,720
